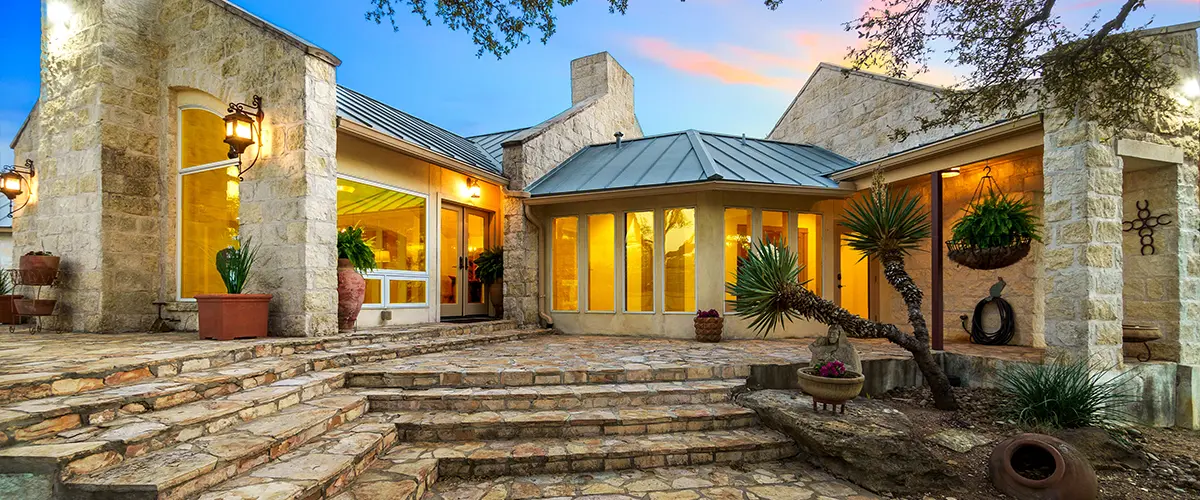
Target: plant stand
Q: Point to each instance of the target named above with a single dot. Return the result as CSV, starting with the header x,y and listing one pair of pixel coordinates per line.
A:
x,y
41,284
839,407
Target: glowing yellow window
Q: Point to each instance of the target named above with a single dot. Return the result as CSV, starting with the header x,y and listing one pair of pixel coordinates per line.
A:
x,y
565,258
679,260
737,244
394,222
406,292
639,261
374,295
602,236
809,250
774,227
209,201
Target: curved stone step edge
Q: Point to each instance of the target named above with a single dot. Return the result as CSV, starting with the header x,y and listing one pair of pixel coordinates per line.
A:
x,y
335,459
41,386
206,468
385,377
367,354
552,397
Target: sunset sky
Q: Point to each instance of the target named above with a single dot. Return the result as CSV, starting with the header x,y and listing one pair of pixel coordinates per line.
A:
x,y
720,65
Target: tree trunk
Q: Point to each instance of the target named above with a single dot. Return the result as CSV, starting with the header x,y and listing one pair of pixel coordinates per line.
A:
x,y
918,343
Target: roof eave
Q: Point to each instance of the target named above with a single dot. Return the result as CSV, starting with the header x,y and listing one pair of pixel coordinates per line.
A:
x,y
397,144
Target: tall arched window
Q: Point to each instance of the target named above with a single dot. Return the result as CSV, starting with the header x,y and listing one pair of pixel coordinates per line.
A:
x,y
208,200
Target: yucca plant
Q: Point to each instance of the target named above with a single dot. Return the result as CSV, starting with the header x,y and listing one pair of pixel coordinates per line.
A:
x,y
234,263
1064,395
995,221
352,246
885,226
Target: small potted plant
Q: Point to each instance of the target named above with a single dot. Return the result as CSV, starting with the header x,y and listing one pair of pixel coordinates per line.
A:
x,y
709,325
830,383
489,267
355,258
234,315
8,311
38,268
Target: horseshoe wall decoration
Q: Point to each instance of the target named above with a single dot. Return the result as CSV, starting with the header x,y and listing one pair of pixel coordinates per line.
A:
x,y
1144,224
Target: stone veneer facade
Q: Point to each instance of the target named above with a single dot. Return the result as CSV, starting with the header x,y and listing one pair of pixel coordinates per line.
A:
x,y
104,144
601,105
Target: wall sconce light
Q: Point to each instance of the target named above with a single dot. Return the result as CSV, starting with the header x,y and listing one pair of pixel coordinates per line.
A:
x,y
243,130
11,181
473,187
953,172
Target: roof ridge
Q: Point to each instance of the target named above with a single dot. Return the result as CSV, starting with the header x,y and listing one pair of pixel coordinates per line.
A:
x,y
509,131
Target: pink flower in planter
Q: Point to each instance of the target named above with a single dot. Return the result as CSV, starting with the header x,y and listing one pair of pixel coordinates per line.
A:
x,y
832,369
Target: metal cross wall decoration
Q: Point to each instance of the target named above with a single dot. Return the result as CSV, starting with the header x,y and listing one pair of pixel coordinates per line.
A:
x,y
1144,224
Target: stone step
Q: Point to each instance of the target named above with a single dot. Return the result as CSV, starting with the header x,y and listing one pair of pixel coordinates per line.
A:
x,y
552,397
553,456
95,371
36,419
188,469
402,377
319,469
528,424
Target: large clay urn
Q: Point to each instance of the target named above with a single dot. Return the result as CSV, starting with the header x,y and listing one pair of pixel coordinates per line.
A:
x,y
1041,467
352,287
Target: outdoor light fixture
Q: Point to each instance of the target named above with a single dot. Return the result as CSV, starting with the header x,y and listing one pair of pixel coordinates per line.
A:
x,y
473,187
11,181
953,172
243,130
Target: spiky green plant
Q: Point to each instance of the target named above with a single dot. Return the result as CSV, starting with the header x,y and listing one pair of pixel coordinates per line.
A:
x,y
996,221
234,263
886,224
1064,395
6,283
489,265
351,245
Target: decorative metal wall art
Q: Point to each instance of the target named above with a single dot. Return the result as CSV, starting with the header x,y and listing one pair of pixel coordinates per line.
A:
x,y
1144,224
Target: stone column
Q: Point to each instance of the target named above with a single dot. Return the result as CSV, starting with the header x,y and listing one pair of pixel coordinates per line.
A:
x,y
1083,242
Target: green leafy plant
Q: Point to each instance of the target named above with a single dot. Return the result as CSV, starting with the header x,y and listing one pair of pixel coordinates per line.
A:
x,y
996,221
886,224
6,283
1064,395
234,263
40,253
351,245
490,265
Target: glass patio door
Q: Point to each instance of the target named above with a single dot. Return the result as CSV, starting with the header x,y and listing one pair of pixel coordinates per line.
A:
x,y
464,236
853,279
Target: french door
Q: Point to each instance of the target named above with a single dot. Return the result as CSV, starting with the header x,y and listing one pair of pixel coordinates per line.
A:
x,y
854,280
464,235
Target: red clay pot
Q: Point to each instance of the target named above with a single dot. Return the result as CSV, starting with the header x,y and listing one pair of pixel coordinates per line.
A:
x,y
352,288
1063,472
227,316
38,270
34,307
8,309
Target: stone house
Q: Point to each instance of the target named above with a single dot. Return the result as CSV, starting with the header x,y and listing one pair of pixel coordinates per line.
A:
x,y
604,230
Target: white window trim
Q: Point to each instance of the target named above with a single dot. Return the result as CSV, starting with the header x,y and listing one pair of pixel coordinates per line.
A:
x,y
386,275
179,192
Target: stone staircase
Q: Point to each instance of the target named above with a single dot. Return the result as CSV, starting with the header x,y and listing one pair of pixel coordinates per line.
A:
x,y
252,413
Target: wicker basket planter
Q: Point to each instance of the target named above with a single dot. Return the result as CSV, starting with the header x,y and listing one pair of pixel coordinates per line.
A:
x,y
709,329
987,258
829,390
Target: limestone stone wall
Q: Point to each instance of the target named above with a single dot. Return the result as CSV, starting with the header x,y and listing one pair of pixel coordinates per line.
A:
x,y
108,161
602,105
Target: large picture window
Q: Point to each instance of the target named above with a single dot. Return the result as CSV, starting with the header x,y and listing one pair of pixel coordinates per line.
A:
x,y
394,223
209,200
679,260
602,235
639,262
738,229
565,259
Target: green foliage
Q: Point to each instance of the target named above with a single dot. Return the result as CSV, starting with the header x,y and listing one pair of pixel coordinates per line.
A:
x,y
6,283
234,265
489,266
886,224
351,245
1063,395
765,277
996,221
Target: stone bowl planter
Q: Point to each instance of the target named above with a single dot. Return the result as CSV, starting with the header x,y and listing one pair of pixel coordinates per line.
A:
x,y
709,329
1037,466
826,390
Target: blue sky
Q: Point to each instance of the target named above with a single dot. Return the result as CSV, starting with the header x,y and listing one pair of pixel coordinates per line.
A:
x,y
720,65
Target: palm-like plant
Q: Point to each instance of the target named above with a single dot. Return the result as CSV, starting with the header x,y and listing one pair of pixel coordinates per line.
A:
x,y
885,226
234,263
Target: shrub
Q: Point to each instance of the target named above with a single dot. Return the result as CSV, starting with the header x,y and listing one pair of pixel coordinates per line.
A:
x,y
711,313
234,265
1061,395
351,245
996,221
489,265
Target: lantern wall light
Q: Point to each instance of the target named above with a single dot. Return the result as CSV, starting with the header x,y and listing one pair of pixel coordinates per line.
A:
x,y
473,187
243,129
13,181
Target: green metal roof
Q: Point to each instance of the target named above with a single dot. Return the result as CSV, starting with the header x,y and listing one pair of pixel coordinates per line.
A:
x,y
691,156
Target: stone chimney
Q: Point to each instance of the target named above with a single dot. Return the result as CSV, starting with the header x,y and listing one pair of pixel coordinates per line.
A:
x,y
599,74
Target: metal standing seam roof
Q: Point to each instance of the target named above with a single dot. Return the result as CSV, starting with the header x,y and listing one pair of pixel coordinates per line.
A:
x,y
379,116
493,143
691,156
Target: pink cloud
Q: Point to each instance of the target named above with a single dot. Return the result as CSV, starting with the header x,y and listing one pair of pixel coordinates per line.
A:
x,y
701,63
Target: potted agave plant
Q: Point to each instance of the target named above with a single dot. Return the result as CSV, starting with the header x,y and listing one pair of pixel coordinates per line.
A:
x,y
830,383
709,325
355,258
8,312
234,315
489,266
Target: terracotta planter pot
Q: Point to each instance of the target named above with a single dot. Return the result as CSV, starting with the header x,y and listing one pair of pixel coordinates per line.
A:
x,y
708,329
8,309
233,316
34,307
1041,467
496,296
830,390
352,288
38,270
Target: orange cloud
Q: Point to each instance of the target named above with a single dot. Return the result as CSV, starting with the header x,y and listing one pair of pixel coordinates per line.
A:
x,y
704,64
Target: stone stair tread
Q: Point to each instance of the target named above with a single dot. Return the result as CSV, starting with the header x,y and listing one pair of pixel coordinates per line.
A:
x,y
541,391
593,416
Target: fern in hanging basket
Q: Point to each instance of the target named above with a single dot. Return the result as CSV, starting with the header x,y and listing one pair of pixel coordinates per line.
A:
x,y
995,232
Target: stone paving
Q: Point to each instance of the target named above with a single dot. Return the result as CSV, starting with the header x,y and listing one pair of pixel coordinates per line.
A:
x,y
787,480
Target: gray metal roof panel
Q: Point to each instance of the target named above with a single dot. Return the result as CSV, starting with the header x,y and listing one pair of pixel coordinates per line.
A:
x,y
493,143
406,127
690,156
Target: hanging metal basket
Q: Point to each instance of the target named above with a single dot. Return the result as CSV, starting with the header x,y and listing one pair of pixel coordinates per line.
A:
x,y
983,259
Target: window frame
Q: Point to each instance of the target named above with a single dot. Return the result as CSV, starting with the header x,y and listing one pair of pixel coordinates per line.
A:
x,y
655,261
387,275
180,172
550,253
695,262
586,306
